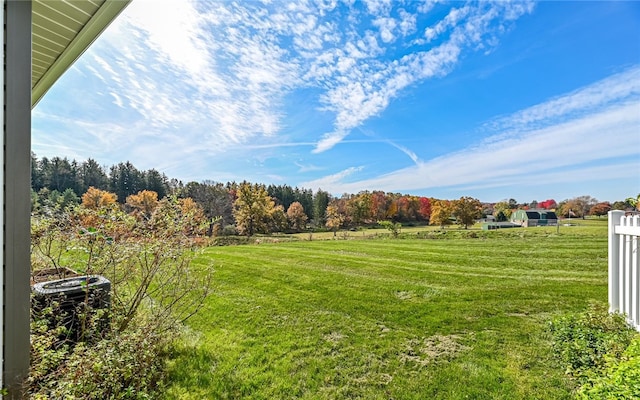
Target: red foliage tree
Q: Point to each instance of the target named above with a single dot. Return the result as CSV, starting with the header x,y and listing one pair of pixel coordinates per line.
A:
x,y
425,208
379,204
402,204
548,204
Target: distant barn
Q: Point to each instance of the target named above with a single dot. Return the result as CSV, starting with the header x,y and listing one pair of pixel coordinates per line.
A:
x,y
534,218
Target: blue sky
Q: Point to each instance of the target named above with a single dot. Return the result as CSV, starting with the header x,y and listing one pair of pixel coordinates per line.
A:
x,y
494,100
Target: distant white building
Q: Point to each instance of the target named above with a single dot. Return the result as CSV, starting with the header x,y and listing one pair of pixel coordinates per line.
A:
x,y
538,217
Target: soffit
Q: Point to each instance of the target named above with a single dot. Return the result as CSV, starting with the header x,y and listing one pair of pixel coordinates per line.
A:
x,y
61,31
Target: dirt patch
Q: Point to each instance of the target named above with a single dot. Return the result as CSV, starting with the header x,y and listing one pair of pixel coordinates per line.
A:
x,y
405,295
372,378
333,337
433,349
383,328
517,315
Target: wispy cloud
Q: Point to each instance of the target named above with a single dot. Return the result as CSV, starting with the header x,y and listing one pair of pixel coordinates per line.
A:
x,y
555,140
334,181
220,71
213,78
623,85
412,155
452,19
378,7
425,6
189,68
367,88
302,168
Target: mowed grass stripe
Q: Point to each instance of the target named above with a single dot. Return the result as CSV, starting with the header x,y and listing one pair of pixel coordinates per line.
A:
x,y
386,260
379,319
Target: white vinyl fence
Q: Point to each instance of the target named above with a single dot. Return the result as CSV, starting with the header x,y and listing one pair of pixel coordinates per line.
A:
x,y
624,265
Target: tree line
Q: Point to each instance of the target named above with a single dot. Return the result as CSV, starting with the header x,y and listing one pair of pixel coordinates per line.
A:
x,y
577,207
250,208
68,178
59,182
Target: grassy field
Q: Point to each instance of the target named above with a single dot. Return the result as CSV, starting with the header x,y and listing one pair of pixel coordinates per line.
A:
x,y
429,315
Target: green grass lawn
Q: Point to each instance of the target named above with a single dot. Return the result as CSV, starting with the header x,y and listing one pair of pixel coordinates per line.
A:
x,y
449,318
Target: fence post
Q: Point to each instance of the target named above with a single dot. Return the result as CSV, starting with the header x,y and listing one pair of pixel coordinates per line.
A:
x,y
635,265
614,261
634,310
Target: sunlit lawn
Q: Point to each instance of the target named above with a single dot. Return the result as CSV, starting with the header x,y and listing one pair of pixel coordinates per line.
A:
x,y
407,318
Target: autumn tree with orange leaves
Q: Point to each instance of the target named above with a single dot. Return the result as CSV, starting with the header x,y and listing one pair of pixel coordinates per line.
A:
x,y
441,212
296,216
94,198
143,203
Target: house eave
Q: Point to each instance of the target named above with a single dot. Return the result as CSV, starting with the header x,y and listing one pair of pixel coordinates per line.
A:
x,y
66,56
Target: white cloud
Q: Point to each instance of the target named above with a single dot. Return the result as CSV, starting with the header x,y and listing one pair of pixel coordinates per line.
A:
x,y
218,73
369,87
451,20
204,71
106,67
412,155
407,22
622,85
302,168
329,140
555,141
426,5
332,181
117,100
386,26
172,29
378,7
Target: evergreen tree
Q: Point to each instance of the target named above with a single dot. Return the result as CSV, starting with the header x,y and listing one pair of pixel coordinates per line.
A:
x,y
60,175
93,175
125,180
320,203
156,182
37,177
305,198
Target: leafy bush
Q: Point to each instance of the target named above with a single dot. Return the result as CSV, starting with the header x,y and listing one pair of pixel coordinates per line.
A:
x,y
584,341
231,240
119,353
128,365
393,227
621,379
229,230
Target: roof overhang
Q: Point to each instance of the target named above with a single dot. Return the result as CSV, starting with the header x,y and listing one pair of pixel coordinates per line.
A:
x,y
61,31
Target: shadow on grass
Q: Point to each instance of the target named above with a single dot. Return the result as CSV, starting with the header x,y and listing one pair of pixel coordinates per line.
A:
x,y
190,367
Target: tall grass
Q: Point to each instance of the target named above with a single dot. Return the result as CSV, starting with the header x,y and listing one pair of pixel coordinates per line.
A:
x,y
410,318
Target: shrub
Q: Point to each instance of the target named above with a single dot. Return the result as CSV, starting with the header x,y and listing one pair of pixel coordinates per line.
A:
x,y
229,230
119,353
393,227
128,365
621,379
583,341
